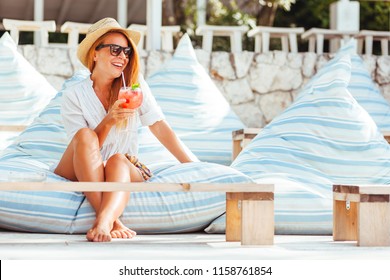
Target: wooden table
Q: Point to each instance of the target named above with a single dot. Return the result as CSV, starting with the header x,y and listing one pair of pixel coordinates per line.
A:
x,y
362,213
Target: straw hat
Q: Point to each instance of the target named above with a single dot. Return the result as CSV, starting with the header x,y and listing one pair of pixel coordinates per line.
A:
x,y
97,30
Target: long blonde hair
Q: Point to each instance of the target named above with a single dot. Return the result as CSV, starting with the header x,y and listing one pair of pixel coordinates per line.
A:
x,y
131,70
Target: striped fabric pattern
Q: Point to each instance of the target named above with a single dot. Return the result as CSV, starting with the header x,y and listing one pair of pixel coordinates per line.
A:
x,y
41,145
33,211
193,105
154,212
368,95
325,137
174,212
364,89
153,154
24,92
45,138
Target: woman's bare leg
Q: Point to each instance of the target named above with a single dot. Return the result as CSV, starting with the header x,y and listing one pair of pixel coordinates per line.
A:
x,y
107,224
82,160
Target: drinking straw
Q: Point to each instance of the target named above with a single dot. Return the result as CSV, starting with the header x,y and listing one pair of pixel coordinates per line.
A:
x,y
123,79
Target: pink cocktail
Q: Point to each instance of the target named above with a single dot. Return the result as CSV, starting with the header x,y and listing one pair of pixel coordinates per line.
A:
x,y
134,97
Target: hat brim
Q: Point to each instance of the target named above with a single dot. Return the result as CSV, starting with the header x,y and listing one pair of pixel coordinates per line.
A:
x,y
90,39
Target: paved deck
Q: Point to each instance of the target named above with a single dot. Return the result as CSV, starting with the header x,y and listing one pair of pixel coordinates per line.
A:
x,y
195,246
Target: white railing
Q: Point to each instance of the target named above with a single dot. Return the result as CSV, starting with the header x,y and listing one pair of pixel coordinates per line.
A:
x,y
262,35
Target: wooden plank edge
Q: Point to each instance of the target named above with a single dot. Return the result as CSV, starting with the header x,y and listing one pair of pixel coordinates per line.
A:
x,y
135,187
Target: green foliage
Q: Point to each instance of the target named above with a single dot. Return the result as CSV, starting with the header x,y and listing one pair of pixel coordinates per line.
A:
x,y
285,4
374,15
27,38
220,14
228,15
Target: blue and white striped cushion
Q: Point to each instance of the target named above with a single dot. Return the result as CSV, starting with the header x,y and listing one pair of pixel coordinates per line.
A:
x,y
193,106
364,90
368,95
45,138
70,212
42,145
24,92
325,137
36,211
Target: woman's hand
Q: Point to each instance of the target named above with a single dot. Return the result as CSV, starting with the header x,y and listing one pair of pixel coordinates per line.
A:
x,y
118,114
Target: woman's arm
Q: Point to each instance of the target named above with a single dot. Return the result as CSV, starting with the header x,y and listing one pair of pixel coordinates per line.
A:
x,y
168,138
115,115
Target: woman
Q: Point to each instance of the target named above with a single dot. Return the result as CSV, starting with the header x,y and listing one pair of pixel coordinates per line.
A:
x,y
91,112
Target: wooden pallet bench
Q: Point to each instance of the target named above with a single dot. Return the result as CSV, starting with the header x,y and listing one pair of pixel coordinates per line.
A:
x,y
249,206
243,137
362,213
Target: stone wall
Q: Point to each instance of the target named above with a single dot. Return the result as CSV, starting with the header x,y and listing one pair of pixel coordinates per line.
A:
x,y
258,86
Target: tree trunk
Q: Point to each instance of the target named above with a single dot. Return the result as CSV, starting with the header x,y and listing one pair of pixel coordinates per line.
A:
x,y
169,13
266,15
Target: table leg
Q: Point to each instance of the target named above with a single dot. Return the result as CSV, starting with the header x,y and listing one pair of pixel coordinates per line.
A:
x,y
344,221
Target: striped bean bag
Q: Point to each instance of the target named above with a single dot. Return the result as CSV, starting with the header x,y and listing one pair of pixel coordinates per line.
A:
x,y
24,92
42,144
193,106
325,137
149,212
364,90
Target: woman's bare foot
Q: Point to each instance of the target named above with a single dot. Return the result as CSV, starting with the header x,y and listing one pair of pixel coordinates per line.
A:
x,y
100,232
119,230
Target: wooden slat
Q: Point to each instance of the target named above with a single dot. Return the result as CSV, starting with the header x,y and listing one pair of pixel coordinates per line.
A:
x,y
249,132
374,198
362,189
241,138
257,223
233,220
345,221
345,189
374,189
374,224
12,127
250,196
134,187
353,197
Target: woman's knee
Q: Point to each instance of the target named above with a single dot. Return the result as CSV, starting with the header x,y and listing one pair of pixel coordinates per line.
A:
x,y
117,161
86,137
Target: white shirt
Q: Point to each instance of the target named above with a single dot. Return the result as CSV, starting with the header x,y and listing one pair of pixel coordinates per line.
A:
x,y
82,108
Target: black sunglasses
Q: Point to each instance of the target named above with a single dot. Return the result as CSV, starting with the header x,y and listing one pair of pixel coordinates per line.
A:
x,y
116,50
